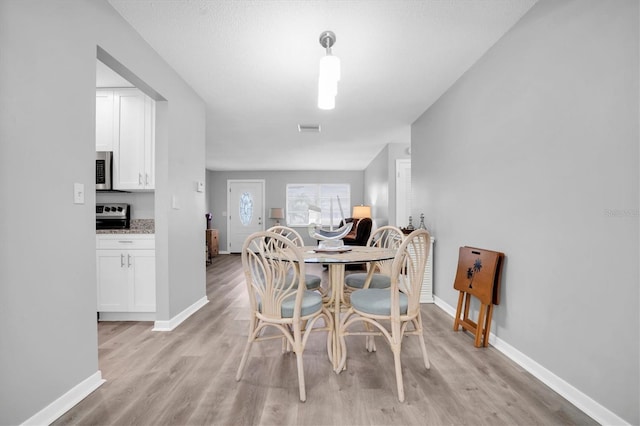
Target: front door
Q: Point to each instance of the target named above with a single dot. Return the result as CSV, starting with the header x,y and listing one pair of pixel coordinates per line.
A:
x,y
245,211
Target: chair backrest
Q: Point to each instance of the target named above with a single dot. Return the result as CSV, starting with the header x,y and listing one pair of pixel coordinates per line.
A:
x,y
387,236
274,272
407,270
289,233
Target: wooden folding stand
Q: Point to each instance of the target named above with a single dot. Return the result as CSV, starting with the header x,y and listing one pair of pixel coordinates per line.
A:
x,y
479,272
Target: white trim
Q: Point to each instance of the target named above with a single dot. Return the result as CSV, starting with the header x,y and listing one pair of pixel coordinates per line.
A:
x,y
582,401
73,396
127,316
178,319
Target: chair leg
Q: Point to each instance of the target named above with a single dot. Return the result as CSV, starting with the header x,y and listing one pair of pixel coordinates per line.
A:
x,y
303,393
425,355
253,325
298,349
245,356
399,382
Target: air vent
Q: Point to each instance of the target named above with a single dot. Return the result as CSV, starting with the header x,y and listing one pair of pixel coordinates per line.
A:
x,y
309,128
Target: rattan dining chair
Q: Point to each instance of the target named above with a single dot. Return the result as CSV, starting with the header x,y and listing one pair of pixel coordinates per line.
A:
x,y
313,282
393,312
384,237
274,271
379,272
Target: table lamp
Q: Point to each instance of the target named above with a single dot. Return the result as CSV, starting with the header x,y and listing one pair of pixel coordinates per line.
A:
x,y
276,213
361,212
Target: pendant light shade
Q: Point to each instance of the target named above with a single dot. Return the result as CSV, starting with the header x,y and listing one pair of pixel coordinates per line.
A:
x,y
329,73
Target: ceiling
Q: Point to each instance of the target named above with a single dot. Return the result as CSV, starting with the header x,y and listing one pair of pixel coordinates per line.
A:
x,y
255,65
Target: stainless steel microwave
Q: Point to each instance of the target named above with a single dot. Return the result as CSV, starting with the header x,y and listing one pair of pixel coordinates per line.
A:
x,y
104,170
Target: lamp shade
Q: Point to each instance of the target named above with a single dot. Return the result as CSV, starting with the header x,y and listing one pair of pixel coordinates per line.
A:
x,y
328,81
276,213
360,212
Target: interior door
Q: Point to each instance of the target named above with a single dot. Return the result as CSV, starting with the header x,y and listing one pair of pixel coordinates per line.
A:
x,y
403,192
245,211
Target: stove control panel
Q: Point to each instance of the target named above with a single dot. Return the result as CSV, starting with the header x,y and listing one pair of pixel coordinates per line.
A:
x,y
112,210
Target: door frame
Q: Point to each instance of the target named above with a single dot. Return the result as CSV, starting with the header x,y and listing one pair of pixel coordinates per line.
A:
x,y
231,181
401,162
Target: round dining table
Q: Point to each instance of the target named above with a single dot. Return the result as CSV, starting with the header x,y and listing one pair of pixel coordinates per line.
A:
x,y
336,259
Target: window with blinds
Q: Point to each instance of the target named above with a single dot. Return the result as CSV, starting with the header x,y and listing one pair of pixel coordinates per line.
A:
x,y
329,197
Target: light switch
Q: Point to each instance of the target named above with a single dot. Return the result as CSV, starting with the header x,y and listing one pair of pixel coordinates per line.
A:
x,y
174,203
78,193
200,186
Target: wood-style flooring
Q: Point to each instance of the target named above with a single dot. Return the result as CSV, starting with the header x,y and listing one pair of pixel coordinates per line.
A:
x,y
187,376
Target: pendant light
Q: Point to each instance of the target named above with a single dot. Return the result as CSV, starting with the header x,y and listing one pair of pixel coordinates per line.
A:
x,y
329,73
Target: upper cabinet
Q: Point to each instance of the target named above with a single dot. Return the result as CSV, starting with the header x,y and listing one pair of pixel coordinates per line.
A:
x,y
105,130
133,138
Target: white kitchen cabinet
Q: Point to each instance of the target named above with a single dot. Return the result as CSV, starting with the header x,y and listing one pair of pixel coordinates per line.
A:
x,y
134,154
126,273
105,123
133,136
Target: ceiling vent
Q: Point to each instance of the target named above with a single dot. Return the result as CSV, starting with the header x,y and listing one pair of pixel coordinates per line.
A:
x,y
309,128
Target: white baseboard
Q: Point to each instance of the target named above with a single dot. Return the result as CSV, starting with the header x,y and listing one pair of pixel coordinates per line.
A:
x,y
127,316
63,404
178,319
583,402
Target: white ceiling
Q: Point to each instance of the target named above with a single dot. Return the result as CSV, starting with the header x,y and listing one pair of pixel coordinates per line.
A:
x,y
255,64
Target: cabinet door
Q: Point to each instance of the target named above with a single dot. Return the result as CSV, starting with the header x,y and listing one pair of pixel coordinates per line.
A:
x,y
105,129
129,161
113,278
143,280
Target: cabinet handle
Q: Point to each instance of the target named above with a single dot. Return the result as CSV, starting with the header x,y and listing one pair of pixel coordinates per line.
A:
x,y
139,178
129,261
125,241
146,179
121,260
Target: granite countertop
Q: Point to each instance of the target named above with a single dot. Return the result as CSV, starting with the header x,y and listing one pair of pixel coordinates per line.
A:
x,y
137,226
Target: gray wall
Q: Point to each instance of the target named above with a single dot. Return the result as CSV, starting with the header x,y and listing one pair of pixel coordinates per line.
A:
x,y
534,152
48,338
275,192
380,183
376,181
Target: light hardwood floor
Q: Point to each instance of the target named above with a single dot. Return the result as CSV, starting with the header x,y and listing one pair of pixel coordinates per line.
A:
x,y
187,376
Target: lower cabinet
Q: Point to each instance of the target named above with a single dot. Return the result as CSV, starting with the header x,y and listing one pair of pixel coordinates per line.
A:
x,y
126,272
